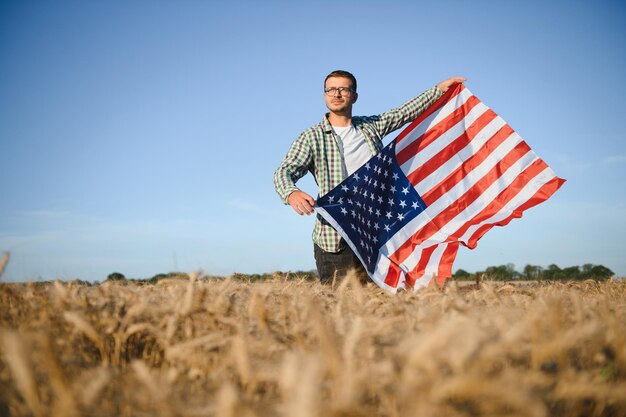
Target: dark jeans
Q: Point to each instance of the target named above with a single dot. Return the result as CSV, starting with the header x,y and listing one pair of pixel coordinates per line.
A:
x,y
332,265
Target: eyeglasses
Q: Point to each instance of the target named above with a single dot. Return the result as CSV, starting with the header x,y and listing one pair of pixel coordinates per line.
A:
x,y
332,91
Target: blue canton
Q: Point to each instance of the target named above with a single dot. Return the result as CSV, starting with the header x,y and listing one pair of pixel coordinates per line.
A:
x,y
373,204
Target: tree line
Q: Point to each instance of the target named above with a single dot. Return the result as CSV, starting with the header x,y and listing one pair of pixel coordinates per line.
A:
x,y
535,272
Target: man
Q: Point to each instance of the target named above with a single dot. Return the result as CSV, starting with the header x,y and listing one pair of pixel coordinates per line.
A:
x,y
334,149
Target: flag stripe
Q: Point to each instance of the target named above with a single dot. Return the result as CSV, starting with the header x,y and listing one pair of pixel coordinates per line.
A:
x,y
546,189
499,205
442,133
470,162
418,172
439,110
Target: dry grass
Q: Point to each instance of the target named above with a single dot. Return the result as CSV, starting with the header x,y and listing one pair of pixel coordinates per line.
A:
x,y
299,349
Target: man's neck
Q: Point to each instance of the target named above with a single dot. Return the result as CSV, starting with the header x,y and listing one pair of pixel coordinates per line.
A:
x,y
340,120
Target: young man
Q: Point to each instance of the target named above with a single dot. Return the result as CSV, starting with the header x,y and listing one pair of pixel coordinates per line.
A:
x,y
334,149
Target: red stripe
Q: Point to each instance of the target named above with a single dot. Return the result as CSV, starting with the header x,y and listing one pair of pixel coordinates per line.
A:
x,y
470,164
434,132
447,96
504,197
393,275
540,196
447,259
452,149
420,268
460,204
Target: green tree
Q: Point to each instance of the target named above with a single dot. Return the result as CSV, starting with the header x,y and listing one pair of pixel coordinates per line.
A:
x,y
462,274
116,276
533,272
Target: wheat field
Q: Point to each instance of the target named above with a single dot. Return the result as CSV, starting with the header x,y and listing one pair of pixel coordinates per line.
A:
x,y
293,347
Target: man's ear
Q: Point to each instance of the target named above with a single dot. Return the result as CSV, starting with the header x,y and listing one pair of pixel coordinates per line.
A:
x,y
355,96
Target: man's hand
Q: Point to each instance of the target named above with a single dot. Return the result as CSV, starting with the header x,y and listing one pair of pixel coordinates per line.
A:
x,y
301,202
445,85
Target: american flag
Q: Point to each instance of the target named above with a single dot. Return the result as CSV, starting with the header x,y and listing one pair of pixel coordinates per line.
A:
x,y
449,177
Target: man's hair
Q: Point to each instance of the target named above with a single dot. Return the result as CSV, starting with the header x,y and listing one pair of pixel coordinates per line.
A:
x,y
341,73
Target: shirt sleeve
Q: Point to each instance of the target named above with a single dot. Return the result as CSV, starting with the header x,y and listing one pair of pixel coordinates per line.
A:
x,y
407,112
294,166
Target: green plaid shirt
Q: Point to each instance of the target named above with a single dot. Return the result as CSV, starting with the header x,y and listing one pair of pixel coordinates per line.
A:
x,y
316,150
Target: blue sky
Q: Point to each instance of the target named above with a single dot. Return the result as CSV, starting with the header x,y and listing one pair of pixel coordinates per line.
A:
x,y
141,137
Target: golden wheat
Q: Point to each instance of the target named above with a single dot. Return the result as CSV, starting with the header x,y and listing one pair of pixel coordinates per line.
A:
x,y
292,347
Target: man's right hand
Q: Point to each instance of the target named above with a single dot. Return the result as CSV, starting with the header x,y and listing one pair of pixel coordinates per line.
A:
x,y
301,202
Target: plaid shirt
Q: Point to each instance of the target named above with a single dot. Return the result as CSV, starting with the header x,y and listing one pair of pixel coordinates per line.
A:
x,y
316,150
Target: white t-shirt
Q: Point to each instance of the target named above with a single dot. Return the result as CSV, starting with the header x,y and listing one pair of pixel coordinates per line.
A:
x,y
353,148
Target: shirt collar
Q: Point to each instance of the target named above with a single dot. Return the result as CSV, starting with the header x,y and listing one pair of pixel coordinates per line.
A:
x,y
328,128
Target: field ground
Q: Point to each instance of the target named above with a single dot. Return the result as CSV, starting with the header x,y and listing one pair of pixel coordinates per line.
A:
x,y
292,347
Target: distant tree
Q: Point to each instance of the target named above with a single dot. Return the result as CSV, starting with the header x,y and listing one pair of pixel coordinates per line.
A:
x,y
553,272
532,272
116,276
502,272
570,273
462,274
599,272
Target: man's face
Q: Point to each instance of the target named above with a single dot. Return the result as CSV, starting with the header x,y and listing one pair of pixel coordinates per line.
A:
x,y
340,102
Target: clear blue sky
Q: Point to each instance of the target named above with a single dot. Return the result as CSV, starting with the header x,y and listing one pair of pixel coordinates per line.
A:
x,y
141,137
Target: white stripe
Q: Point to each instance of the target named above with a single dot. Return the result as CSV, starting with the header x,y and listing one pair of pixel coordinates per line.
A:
x,y
463,155
445,139
525,193
485,198
434,118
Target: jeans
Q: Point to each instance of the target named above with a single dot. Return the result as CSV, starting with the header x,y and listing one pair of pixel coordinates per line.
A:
x,y
331,265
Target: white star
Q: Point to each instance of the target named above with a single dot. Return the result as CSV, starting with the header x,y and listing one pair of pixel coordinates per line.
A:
x,y
382,186
340,201
378,212
331,198
393,188
380,199
344,188
402,204
356,176
350,201
386,174
415,205
344,211
367,165
374,239
387,228
405,190
389,215
376,226
355,189
400,216
353,213
395,176
391,203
